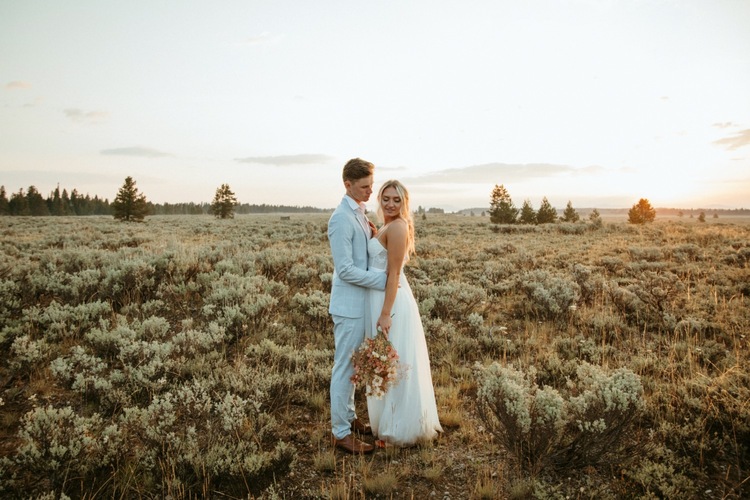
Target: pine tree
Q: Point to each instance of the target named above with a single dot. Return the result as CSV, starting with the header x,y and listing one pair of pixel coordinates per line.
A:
x,y
502,210
596,219
641,212
546,213
129,205
76,202
67,206
35,201
570,214
19,204
224,203
55,202
4,204
528,215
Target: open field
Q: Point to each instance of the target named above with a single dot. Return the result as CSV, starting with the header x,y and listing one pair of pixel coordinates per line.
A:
x,y
190,357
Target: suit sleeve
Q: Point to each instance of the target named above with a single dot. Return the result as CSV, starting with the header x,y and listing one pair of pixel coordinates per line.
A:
x,y
341,235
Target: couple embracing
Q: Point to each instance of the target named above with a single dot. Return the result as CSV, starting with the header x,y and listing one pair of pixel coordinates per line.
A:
x,y
369,292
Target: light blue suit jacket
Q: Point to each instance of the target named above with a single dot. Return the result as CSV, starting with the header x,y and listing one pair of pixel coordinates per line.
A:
x,y
350,277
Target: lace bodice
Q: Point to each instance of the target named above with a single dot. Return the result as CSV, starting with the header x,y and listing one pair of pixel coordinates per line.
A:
x,y
378,255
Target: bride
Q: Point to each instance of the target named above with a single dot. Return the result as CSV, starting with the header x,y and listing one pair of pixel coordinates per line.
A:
x,y
407,414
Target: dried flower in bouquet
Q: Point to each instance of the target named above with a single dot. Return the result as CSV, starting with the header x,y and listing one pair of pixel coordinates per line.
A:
x,y
376,365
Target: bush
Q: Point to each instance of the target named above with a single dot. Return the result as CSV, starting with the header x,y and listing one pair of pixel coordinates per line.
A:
x,y
589,423
550,297
452,300
58,444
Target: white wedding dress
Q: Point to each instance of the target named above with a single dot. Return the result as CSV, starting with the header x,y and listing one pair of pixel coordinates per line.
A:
x,y
407,414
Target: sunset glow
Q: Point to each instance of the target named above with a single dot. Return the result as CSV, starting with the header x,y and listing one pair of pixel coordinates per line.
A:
x,y
599,103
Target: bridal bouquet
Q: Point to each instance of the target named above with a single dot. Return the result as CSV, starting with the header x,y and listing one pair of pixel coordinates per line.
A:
x,y
376,366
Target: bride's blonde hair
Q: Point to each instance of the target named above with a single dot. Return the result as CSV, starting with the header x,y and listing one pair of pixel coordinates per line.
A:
x,y
405,213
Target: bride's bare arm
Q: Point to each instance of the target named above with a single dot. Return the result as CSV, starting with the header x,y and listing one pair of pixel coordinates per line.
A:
x,y
395,242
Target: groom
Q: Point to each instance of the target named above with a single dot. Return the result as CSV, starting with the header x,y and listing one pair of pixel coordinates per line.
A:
x,y
348,232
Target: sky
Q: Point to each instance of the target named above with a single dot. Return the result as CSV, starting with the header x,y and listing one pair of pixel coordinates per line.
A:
x,y
596,102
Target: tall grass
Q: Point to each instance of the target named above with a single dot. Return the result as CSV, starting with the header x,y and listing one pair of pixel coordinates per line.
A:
x,y
188,356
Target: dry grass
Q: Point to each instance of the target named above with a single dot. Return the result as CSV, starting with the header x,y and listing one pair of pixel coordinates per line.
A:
x,y
690,347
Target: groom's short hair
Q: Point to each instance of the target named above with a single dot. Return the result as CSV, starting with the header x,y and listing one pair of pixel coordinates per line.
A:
x,y
356,169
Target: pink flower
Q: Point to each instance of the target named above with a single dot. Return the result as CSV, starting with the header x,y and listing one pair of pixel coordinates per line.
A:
x,y
376,366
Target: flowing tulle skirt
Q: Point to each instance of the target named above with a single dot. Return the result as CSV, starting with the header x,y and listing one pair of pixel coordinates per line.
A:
x,y
407,414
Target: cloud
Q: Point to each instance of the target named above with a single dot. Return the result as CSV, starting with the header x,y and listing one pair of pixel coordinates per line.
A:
x,y
287,160
262,39
502,173
725,125
15,85
135,151
740,139
80,116
32,104
380,168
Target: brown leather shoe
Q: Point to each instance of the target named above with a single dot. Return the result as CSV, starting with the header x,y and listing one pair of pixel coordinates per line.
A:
x,y
353,445
361,427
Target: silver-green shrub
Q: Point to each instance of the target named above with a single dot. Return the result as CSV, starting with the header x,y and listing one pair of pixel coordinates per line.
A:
x,y
10,302
586,422
310,310
59,444
283,372
452,300
199,432
550,296
28,352
240,303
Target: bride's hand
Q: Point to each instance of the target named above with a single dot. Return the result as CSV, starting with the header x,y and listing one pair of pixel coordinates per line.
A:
x,y
384,323
373,228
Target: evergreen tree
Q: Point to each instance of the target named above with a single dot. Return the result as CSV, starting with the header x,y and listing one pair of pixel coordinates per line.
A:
x,y
596,219
570,214
55,202
19,204
546,213
76,202
702,217
129,205
224,203
528,215
36,203
642,212
101,207
502,210
67,206
4,204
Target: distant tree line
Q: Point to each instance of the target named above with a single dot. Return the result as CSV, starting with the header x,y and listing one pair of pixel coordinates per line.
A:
x,y
63,202
242,208
503,211
245,208
31,202
432,210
